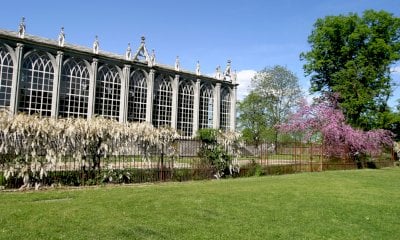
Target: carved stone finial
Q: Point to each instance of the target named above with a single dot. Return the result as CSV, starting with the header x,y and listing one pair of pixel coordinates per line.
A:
x,y
177,64
141,53
152,61
128,52
22,28
227,72
218,74
96,45
61,38
198,68
234,77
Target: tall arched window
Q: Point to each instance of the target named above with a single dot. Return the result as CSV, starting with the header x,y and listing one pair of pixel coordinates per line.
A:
x,y
36,84
162,104
137,97
108,92
206,107
74,89
185,109
6,72
225,109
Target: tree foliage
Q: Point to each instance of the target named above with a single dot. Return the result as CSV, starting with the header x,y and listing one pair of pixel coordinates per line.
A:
x,y
253,117
352,55
340,140
275,93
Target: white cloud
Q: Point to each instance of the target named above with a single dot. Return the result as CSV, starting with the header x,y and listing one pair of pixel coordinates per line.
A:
x,y
244,79
395,70
309,96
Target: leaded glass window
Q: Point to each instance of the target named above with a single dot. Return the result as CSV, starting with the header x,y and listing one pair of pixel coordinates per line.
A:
x,y
74,89
36,84
225,109
162,104
206,107
137,97
185,109
108,92
6,73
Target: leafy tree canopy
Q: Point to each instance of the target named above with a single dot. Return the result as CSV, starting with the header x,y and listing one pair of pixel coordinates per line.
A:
x,y
275,93
253,118
351,55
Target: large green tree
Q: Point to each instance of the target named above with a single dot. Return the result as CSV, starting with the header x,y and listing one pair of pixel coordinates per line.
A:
x,y
253,118
352,56
275,93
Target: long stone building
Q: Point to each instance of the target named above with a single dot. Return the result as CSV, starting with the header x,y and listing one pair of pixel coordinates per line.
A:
x,y
57,79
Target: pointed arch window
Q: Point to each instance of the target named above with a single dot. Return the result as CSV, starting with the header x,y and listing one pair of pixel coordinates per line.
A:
x,y
225,109
108,92
162,108
36,84
137,97
6,73
185,108
74,89
206,107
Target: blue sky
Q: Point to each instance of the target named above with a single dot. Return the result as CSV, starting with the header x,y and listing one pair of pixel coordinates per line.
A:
x,y
253,33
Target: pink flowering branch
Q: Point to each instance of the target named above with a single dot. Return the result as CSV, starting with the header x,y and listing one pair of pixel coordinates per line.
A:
x,y
339,139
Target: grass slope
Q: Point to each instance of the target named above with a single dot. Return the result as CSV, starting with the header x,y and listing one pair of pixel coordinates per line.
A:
x,y
330,205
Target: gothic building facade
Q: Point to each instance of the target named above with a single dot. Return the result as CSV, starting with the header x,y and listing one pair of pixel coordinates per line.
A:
x,y
56,79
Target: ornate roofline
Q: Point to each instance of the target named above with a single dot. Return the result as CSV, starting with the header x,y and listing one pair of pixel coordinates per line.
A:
x,y
55,44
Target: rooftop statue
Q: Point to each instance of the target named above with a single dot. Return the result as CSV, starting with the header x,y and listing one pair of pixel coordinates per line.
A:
x,y
218,74
234,77
227,72
198,69
152,58
22,28
128,52
96,45
177,64
61,38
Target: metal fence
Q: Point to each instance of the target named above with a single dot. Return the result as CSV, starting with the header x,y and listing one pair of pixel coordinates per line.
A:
x,y
180,162
284,158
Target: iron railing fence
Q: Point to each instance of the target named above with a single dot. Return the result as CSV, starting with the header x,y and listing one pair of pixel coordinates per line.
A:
x,y
291,157
178,161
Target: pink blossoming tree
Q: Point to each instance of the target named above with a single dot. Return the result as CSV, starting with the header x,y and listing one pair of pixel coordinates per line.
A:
x,y
324,120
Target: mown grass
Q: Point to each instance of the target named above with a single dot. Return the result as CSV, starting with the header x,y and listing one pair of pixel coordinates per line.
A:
x,y
361,204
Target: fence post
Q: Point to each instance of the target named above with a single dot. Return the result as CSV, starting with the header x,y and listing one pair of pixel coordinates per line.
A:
x,y
300,151
266,155
321,157
294,154
162,163
260,150
393,157
261,154
311,157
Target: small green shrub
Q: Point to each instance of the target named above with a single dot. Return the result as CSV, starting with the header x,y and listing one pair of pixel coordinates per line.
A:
x,y
116,176
253,169
181,175
207,135
211,152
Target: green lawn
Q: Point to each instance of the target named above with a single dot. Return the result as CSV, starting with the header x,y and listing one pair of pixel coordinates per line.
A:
x,y
363,204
